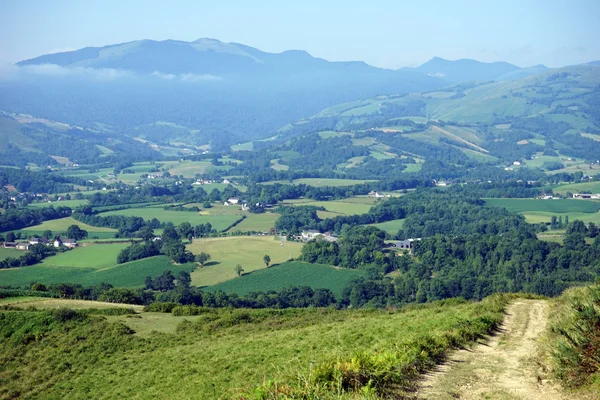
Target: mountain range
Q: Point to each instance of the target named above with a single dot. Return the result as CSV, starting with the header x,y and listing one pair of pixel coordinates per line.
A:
x,y
207,92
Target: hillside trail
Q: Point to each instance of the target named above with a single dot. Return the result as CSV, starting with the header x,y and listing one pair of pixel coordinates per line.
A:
x,y
502,368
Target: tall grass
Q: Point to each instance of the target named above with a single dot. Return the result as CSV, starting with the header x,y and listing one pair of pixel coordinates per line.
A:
x,y
575,326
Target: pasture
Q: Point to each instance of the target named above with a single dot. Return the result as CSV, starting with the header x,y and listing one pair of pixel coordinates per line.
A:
x,y
391,227
248,251
219,222
62,203
257,222
593,187
130,274
91,256
294,273
349,206
6,253
57,226
321,182
49,303
541,211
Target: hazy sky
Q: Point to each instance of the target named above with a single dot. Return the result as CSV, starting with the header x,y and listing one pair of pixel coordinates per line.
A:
x,y
388,34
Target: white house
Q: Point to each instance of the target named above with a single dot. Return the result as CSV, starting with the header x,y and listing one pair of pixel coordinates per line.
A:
x,y
310,234
233,200
517,163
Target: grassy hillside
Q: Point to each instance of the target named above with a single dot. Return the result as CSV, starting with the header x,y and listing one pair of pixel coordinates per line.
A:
x,y
288,274
273,349
537,211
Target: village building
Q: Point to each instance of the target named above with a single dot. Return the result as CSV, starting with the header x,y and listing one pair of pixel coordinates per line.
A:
x,y
310,234
70,243
406,244
374,194
10,245
22,246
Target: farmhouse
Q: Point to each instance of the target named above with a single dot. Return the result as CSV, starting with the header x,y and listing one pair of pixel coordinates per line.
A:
x,y
70,243
405,244
22,246
310,234
33,241
375,194
10,245
586,196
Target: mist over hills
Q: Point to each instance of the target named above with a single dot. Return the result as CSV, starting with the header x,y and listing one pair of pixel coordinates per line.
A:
x,y
210,92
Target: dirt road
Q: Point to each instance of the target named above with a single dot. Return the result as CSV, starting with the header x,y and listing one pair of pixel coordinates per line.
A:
x,y
502,368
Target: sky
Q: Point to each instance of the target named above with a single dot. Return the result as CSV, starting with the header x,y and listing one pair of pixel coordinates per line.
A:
x,y
387,34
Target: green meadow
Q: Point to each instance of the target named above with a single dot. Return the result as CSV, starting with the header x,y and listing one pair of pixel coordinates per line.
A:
x,y
6,253
391,227
130,274
219,222
288,274
539,211
57,226
248,251
320,182
350,206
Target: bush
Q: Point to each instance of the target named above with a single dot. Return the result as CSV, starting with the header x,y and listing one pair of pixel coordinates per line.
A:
x,y
159,306
66,314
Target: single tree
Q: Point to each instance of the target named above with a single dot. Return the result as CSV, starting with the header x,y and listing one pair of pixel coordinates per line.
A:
x,y
10,237
75,232
239,270
184,279
267,260
47,234
202,258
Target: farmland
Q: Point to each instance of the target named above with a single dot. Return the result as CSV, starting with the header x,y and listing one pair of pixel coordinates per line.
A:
x,y
321,182
391,227
257,222
247,251
92,256
5,253
130,274
288,274
280,345
60,225
45,303
219,222
593,187
538,211
357,205
62,203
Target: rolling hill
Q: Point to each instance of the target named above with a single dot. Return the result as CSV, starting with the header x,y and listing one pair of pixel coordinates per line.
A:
x,y
213,92
549,120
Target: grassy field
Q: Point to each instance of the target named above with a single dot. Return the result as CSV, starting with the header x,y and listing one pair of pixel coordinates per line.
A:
x,y
60,225
257,222
195,361
5,253
219,222
340,207
593,187
391,227
320,182
288,274
92,256
541,211
130,274
248,251
45,303
561,206
62,203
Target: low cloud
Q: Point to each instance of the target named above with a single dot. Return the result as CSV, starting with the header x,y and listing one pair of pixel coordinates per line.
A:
x,y
13,72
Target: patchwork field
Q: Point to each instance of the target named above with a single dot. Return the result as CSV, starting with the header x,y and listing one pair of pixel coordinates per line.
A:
x,y
248,251
130,274
288,274
219,222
